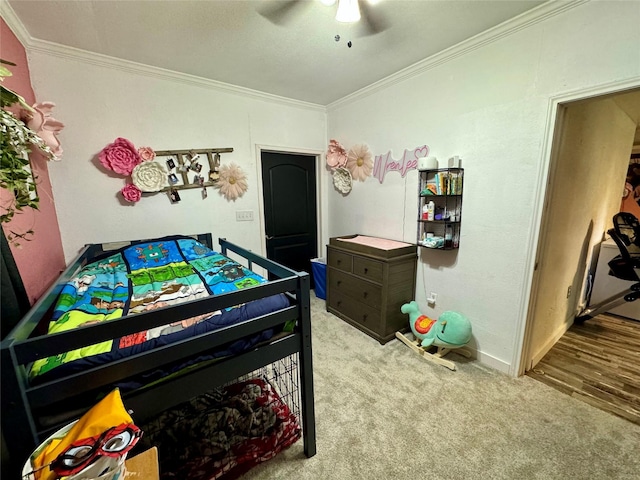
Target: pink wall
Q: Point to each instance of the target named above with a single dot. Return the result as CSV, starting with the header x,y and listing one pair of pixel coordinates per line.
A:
x,y
40,260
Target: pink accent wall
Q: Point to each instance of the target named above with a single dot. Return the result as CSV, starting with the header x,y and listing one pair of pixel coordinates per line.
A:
x,y
40,260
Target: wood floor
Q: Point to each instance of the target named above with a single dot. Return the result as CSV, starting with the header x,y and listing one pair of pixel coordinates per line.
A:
x,y
597,362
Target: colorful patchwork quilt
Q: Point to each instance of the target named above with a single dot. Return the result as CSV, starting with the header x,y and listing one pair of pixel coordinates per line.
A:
x,y
144,277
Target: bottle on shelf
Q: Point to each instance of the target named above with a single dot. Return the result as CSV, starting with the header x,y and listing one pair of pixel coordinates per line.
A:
x,y
448,236
431,208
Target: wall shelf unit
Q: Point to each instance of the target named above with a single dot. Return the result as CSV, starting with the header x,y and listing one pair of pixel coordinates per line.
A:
x,y
440,208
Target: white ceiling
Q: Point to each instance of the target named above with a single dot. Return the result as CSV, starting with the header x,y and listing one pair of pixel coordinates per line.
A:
x,y
229,41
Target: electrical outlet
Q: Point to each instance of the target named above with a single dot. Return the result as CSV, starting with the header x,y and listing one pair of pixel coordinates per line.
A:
x,y
244,215
432,299
569,291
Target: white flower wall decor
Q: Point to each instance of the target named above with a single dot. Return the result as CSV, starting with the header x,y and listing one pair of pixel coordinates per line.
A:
x,y
342,180
149,176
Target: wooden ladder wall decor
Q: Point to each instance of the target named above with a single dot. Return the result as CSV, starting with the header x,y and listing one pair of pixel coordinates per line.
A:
x,y
188,162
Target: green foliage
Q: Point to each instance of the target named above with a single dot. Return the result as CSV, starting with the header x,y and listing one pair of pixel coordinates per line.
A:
x,y
16,142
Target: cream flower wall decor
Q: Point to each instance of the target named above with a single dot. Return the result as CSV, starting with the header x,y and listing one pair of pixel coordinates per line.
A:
x,y
232,182
342,180
149,176
360,162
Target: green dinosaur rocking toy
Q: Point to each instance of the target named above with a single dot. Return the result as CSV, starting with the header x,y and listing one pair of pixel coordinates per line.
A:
x,y
450,331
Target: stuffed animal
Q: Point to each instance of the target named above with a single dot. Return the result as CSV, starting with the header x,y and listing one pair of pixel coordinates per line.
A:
x,y
451,330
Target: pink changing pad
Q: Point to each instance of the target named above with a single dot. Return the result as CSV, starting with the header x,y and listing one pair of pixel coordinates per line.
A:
x,y
380,243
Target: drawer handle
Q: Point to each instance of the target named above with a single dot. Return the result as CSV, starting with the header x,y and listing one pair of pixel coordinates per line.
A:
x,y
364,317
338,302
339,262
338,282
365,294
366,270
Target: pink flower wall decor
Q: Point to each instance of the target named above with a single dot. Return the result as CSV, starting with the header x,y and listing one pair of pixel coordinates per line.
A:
x,y
360,162
336,155
131,193
146,153
120,156
46,127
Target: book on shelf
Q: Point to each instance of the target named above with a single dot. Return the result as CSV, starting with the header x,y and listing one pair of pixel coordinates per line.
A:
x,y
443,183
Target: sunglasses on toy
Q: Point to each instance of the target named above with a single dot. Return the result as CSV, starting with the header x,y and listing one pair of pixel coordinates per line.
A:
x,y
113,442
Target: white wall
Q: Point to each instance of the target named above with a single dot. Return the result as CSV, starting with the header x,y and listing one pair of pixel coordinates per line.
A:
x,y
490,106
99,103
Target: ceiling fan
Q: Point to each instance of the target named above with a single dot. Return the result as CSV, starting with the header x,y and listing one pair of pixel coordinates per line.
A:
x,y
349,11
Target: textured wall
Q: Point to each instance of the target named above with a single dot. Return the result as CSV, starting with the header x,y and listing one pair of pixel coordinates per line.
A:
x,y
100,103
489,106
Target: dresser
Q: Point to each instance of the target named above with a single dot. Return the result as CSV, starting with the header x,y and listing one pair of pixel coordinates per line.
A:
x,y
368,280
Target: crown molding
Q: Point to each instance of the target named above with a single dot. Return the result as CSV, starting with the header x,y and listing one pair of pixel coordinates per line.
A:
x,y
531,17
63,51
509,27
14,23
113,63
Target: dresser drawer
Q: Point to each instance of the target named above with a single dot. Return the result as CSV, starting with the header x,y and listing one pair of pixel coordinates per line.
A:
x,y
357,312
339,260
369,269
355,288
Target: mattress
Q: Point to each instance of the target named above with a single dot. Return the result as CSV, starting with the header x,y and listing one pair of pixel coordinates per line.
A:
x,y
143,277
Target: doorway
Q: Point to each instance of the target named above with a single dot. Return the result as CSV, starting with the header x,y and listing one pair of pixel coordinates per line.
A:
x,y
589,157
290,208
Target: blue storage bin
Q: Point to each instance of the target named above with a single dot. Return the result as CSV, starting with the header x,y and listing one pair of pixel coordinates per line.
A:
x,y
319,270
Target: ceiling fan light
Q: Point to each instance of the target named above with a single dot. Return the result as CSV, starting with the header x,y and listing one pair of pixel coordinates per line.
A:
x,y
348,11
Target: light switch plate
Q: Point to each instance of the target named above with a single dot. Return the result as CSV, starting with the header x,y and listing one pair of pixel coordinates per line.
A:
x,y
244,215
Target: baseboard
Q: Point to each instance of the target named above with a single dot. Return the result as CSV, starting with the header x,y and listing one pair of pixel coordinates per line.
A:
x,y
487,360
490,361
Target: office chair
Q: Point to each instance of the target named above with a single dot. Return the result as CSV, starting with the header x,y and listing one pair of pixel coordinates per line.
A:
x,y
625,266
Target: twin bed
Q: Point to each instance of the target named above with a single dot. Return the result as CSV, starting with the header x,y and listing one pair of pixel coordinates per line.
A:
x,y
165,320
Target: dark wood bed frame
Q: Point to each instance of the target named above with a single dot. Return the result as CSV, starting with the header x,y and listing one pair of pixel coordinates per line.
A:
x,y
24,406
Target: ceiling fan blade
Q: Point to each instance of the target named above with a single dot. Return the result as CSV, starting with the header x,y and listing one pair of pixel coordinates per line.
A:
x,y
373,22
280,13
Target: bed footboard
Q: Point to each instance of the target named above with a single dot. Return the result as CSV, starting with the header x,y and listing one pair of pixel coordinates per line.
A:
x,y
20,401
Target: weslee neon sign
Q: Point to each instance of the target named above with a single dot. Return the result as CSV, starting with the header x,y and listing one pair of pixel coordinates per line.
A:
x,y
386,163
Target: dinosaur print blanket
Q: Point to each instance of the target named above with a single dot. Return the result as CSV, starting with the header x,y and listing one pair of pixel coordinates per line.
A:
x,y
144,277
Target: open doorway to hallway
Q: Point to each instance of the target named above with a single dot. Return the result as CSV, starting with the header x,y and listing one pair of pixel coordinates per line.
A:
x,y
592,146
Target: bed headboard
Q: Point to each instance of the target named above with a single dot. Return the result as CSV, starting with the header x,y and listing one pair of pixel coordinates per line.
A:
x,y
96,249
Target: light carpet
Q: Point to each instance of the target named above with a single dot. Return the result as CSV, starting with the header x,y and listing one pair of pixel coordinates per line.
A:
x,y
382,412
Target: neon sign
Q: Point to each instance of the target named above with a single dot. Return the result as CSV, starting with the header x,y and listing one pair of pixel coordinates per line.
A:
x,y
386,163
